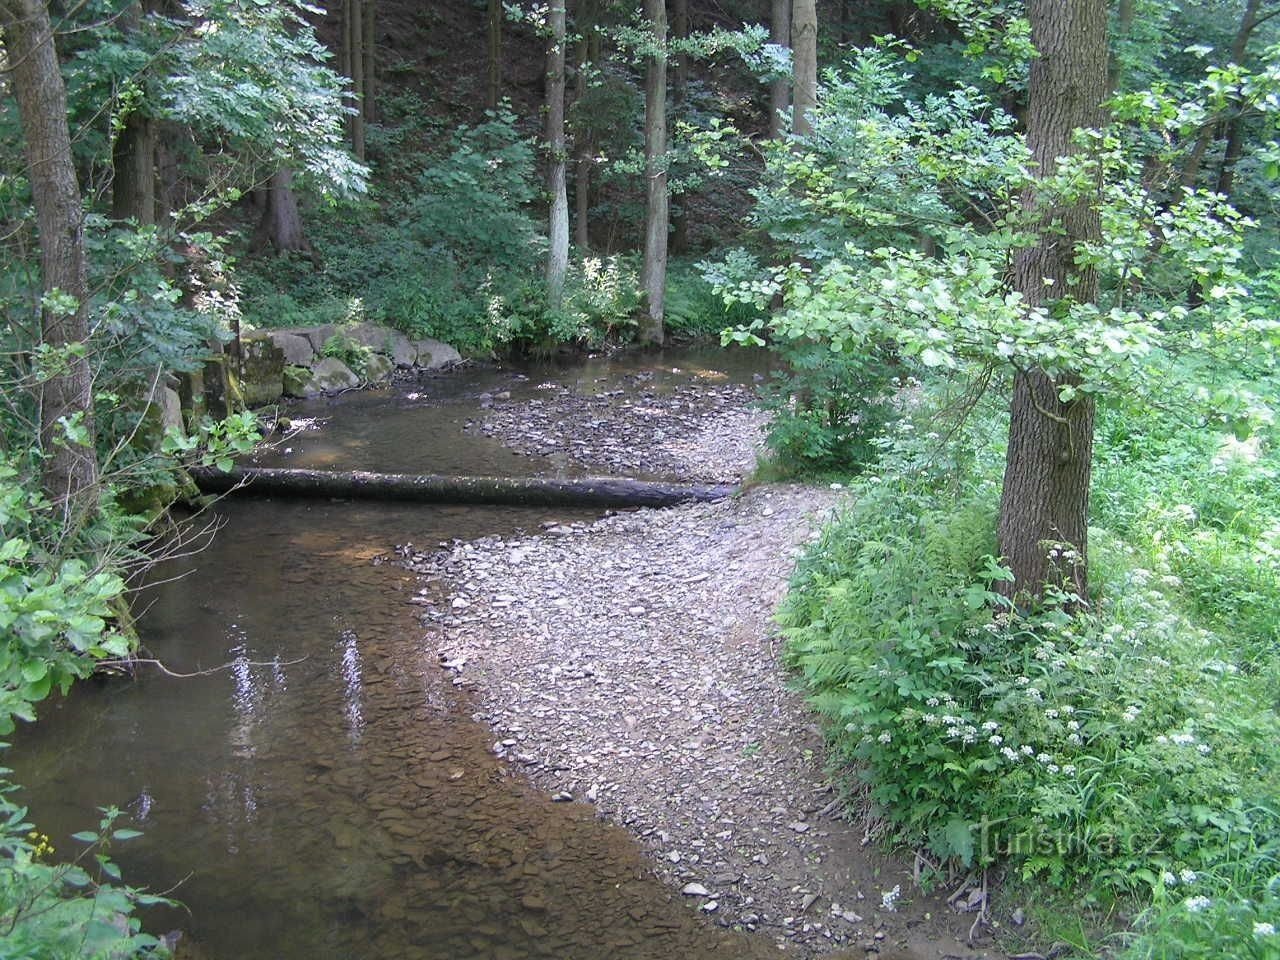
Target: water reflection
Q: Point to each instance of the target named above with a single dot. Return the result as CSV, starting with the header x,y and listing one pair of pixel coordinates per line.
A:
x,y
352,689
344,806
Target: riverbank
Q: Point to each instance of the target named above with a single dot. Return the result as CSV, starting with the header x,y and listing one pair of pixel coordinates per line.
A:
x,y
632,664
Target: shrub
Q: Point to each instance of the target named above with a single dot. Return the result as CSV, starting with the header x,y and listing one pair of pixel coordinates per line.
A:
x,y
1130,750
67,911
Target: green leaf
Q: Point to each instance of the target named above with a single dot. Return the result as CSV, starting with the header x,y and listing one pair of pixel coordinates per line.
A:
x,y
936,358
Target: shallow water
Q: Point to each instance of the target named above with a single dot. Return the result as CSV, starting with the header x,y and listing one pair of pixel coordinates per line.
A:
x,y
321,791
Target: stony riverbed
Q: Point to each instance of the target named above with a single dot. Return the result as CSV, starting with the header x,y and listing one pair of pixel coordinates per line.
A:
x,y
633,664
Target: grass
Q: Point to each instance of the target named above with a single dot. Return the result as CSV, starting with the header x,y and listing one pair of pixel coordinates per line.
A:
x,y
1124,761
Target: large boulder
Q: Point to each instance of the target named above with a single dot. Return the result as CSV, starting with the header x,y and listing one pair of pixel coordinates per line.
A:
x,y
171,410
435,355
331,374
297,382
380,339
297,349
379,368
261,371
317,336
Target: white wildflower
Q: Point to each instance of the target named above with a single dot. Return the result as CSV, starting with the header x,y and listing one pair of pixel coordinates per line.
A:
x,y
1196,904
1187,876
1263,929
995,739
885,737
1169,879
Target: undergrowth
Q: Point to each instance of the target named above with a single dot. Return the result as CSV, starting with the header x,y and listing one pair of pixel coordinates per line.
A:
x,y
1129,754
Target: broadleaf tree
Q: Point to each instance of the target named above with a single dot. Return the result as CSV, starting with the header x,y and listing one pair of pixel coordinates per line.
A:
x,y
1048,259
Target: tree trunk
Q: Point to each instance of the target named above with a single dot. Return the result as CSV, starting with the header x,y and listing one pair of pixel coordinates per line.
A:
x,y
804,52
369,28
493,86
1043,530
558,248
1235,124
1239,46
679,93
280,227
1124,23
133,182
69,468
588,39
133,155
353,37
657,220
517,491
780,89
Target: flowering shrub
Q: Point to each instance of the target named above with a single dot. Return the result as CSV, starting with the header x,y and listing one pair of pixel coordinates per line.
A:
x,y
1130,749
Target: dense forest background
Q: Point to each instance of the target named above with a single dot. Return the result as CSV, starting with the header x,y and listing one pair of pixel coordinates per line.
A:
x,y
1020,261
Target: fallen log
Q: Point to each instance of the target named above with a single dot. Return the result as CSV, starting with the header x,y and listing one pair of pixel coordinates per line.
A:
x,y
427,488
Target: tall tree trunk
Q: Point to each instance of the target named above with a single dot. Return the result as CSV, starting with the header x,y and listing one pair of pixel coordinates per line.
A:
x,y
1235,123
558,248
280,227
133,182
369,28
1045,499
493,85
588,49
353,38
656,221
804,52
69,469
1239,46
1124,23
679,93
780,89
133,155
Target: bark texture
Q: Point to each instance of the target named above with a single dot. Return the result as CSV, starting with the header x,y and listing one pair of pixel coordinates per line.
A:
x,y
353,39
133,182
557,159
280,228
517,491
588,51
679,94
69,471
493,79
133,155
657,206
804,53
780,89
1045,498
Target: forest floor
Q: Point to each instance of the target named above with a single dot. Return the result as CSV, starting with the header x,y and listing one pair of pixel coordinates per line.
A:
x,y
633,664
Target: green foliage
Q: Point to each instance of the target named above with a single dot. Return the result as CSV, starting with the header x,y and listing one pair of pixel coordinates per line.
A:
x,y
827,410
354,355
695,309
952,172
55,598
1129,750
75,910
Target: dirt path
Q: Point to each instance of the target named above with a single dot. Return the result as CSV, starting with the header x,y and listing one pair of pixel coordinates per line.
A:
x,y
632,664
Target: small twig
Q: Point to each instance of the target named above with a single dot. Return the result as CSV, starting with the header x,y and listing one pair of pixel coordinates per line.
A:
x,y
199,673
982,907
959,891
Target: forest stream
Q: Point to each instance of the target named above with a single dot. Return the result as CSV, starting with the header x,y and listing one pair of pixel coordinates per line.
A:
x,y
318,788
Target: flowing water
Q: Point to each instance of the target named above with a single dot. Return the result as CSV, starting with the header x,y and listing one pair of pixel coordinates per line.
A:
x,y
318,788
